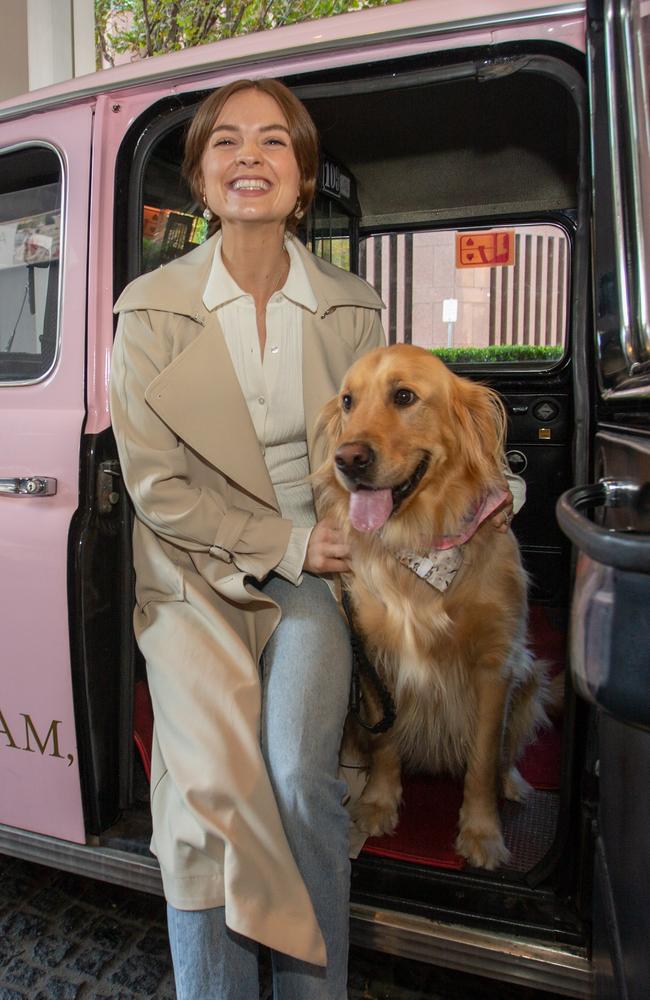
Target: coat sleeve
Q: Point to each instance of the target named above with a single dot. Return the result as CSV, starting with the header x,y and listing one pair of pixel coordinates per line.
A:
x,y
155,469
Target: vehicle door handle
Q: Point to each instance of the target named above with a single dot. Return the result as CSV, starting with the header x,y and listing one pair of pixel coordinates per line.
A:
x,y
32,486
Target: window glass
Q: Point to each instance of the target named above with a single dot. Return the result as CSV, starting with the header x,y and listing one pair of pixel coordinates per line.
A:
x,y
172,222
167,233
474,296
331,229
30,228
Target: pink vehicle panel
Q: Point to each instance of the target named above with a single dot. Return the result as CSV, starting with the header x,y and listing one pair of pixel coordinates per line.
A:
x,y
41,433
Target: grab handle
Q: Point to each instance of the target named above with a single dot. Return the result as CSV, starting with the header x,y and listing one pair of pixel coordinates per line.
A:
x,y
620,549
30,486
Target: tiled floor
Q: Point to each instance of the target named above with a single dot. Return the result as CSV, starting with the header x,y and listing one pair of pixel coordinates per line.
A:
x,y
68,938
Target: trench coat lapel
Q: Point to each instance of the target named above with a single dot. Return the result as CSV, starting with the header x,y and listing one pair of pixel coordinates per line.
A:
x,y
198,395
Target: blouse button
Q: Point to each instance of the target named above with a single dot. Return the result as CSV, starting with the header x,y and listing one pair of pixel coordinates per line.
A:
x,y
261,400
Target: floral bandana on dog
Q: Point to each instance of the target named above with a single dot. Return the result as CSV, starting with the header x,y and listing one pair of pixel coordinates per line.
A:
x,y
440,565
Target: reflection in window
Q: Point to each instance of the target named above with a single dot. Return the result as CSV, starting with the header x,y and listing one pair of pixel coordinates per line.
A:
x,y
330,233
172,221
450,291
30,229
167,234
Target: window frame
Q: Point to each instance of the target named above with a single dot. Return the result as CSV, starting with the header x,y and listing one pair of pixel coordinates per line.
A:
x,y
635,76
44,144
564,220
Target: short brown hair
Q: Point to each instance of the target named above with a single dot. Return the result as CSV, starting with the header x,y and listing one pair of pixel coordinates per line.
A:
x,y
302,131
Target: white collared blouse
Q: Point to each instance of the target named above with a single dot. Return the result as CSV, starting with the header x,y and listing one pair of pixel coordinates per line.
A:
x,y
272,387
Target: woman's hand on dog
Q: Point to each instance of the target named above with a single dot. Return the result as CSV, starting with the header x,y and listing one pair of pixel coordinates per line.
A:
x,y
327,550
502,517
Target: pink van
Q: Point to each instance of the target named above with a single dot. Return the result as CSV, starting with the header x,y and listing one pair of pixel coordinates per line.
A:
x,y
486,165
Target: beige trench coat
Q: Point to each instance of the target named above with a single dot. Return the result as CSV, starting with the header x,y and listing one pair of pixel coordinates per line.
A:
x,y
206,528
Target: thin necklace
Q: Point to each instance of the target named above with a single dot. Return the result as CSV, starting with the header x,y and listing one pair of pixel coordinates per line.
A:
x,y
280,280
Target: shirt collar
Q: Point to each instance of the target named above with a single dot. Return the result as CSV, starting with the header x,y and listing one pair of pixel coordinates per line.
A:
x,y
221,287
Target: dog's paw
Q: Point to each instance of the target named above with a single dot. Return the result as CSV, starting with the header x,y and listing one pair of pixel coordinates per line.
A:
x,y
376,817
483,846
515,788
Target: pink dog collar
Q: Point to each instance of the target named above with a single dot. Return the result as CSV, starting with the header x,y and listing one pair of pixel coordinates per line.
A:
x,y
472,520
440,565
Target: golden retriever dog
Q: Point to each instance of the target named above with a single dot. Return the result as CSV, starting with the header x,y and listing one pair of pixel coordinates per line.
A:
x,y
414,469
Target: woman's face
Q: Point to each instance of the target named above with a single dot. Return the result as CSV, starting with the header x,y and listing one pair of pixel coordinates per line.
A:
x,y
250,173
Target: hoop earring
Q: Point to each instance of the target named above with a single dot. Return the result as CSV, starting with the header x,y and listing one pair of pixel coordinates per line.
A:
x,y
207,214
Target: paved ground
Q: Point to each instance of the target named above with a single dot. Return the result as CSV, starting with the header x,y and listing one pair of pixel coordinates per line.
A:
x,y
68,938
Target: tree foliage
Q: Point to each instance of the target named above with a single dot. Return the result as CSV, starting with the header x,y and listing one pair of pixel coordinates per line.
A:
x,y
151,27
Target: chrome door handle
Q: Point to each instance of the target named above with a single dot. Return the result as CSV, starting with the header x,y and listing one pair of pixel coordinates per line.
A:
x,y
32,486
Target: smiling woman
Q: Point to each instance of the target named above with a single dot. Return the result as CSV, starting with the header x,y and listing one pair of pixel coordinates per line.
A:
x,y
216,440
251,159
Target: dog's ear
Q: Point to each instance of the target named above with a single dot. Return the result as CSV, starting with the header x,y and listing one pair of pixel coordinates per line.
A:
x,y
482,419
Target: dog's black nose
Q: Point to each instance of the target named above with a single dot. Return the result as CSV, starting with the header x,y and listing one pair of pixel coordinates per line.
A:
x,y
354,459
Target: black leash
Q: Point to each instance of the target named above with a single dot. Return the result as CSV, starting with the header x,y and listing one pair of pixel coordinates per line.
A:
x,y
362,665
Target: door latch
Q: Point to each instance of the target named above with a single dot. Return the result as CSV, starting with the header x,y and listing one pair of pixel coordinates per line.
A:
x,y
108,483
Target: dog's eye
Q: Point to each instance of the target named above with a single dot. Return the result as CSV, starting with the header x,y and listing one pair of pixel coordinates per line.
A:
x,y
404,397
346,401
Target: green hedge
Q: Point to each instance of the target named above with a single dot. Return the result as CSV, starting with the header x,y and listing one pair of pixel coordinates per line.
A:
x,y
496,353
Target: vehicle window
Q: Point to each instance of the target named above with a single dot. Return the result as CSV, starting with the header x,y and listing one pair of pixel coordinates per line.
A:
x,y
474,296
331,230
30,227
172,222
169,233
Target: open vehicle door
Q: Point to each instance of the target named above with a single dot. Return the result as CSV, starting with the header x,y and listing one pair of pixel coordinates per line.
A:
x,y
610,653
44,184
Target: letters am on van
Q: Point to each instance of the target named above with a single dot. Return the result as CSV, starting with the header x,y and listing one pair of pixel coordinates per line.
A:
x,y
25,736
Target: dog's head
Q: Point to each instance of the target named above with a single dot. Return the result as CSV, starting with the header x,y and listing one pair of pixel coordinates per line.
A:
x,y
406,434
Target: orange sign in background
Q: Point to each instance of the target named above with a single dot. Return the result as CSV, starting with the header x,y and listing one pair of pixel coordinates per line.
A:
x,y
493,249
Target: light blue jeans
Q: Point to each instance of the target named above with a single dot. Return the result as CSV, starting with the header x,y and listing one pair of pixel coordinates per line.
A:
x,y
305,687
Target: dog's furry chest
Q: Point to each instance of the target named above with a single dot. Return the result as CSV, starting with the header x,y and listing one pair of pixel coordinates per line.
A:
x,y
414,650
435,709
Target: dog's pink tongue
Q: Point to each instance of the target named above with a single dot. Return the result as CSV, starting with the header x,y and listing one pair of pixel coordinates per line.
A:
x,y
369,509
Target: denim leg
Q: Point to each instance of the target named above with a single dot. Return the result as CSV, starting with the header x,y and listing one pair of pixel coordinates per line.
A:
x,y
306,681
210,961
